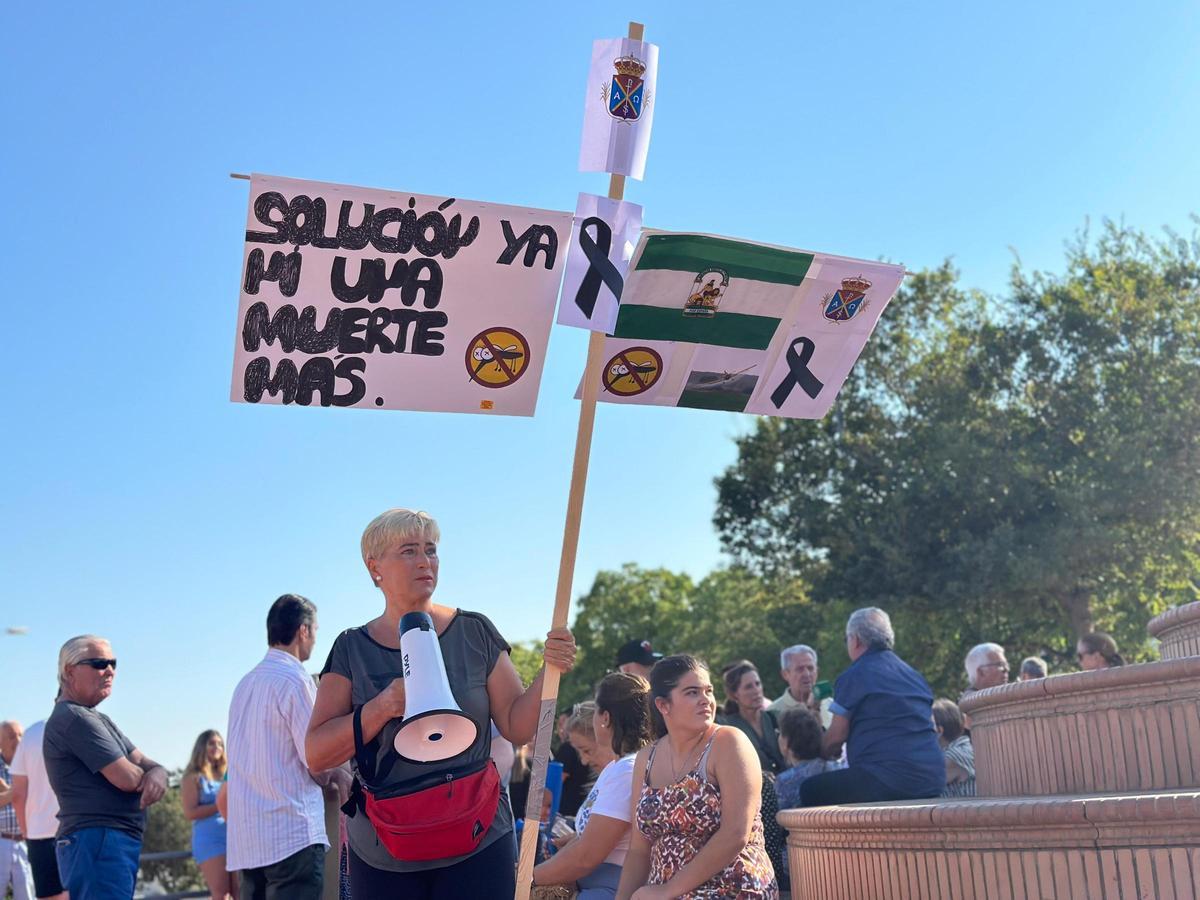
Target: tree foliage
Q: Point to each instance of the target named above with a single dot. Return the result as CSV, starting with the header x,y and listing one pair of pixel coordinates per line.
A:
x,y
527,658
1017,469
730,614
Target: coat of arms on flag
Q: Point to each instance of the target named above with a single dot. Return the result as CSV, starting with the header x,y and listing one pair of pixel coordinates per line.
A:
x,y
707,290
843,304
626,92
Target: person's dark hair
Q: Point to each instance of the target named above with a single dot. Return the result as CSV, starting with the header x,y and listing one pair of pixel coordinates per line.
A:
x,y
1099,642
801,731
286,616
949,718
626,699
664,678
732,674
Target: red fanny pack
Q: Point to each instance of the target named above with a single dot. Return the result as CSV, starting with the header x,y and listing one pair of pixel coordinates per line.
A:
x,y
440,815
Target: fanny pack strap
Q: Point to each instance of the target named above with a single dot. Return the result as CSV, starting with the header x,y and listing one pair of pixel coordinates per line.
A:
x,y
366,763
364,756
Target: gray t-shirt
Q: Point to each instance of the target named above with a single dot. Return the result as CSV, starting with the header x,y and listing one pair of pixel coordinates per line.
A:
x,y
470,648
78,742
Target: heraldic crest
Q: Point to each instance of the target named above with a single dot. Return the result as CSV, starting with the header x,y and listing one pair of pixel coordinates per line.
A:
x,y
626,94
847,302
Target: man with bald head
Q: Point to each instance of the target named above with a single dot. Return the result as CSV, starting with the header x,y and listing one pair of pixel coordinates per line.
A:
x,y
103,782
14,858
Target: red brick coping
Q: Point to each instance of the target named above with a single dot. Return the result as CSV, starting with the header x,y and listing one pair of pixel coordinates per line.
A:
x,y
1132,728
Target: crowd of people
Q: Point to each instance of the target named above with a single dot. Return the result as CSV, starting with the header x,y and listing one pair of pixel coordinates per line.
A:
x,y
666,791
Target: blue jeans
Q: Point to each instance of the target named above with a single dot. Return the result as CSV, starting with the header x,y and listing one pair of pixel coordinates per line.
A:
x,y
99,863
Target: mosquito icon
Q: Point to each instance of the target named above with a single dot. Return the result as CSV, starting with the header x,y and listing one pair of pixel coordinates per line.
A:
x,y
484,355
632,371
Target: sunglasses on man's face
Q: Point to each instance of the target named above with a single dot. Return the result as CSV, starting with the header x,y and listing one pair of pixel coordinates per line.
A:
x,y
98,663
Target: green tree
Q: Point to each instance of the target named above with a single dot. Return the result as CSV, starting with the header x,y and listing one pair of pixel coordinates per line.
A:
x,y
527,657
648,604
732,613
167,829
1014,470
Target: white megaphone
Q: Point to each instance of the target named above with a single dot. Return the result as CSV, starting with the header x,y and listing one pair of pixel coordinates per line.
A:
x,y
434,727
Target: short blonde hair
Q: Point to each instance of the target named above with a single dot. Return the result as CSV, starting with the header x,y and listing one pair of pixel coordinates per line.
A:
x,y
396,526
74,650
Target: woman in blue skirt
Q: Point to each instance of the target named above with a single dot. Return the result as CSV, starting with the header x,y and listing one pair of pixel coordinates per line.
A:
x,y
201,780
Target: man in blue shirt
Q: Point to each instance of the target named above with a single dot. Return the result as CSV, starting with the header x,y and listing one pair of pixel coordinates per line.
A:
x,y
882,711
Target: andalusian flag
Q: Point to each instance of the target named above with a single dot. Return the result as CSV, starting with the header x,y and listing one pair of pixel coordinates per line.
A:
x,y
709,290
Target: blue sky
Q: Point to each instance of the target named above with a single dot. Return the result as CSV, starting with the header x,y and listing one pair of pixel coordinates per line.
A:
x,y
138,502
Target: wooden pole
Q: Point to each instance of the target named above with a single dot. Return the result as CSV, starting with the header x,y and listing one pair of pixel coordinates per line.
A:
x,y
566,574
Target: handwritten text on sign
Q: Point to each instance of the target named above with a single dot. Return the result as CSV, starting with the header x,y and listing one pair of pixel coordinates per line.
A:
x,y
371,298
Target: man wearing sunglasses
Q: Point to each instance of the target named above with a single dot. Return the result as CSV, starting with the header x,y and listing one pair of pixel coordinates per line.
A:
x,y
103,782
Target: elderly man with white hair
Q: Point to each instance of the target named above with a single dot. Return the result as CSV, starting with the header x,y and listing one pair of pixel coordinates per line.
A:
x,y
986,667
103,782
798,666
882,712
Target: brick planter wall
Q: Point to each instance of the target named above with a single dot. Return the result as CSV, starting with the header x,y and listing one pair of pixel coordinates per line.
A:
x,y
1178,631
1068,848
1133,728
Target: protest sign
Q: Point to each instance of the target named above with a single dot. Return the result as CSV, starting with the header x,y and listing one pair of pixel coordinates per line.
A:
x,y
603,237
379,299
619,107
744,327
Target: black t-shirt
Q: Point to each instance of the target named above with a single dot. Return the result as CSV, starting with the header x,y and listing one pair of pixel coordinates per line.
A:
x,y
77,743
470,647
576,776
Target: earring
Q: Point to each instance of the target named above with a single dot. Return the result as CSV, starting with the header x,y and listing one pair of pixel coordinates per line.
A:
x,y
378,578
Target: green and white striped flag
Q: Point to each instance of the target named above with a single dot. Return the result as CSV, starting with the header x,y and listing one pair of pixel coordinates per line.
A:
x,y
709,290
714,323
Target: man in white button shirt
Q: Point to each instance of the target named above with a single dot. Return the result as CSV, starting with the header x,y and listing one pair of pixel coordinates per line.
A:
x,y
276,822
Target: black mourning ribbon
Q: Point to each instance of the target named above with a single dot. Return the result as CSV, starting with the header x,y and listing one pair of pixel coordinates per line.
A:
x,y
799,373
600,268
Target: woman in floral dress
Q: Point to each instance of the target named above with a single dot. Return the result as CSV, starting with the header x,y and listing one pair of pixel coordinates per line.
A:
x,y
699,833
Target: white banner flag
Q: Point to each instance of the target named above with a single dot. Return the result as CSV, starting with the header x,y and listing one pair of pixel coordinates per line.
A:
x,y
379,299
603,236
619,108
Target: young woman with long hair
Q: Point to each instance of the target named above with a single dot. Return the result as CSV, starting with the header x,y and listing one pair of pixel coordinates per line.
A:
x,y
201,781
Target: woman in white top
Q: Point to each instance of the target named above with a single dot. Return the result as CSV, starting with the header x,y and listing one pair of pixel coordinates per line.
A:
x,y
594,858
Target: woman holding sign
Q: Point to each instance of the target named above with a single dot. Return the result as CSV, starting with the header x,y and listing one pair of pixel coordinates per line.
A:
x,y
435,828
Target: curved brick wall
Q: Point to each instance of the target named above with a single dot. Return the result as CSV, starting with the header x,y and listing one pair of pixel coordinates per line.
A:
x,y
1178,631
1070,848
1133,728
